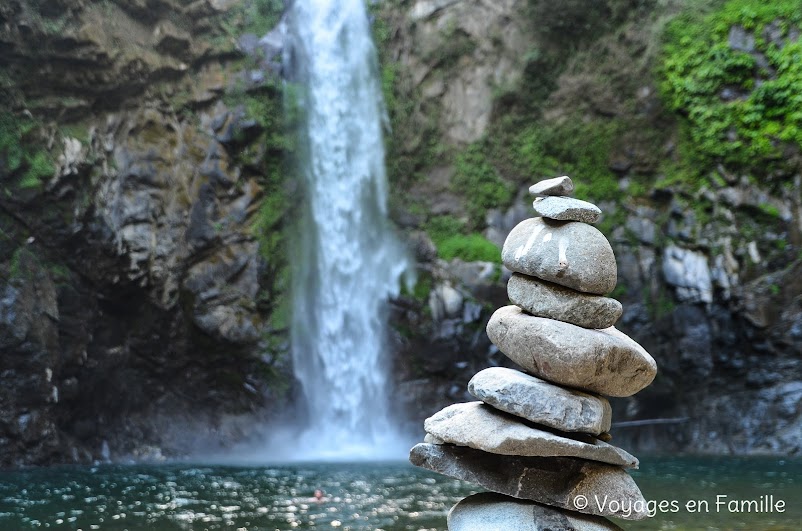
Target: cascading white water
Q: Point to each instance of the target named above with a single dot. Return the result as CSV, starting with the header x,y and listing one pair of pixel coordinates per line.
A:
x,y
348,260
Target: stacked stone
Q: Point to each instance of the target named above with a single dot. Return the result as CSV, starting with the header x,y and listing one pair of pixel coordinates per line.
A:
x,y
537,439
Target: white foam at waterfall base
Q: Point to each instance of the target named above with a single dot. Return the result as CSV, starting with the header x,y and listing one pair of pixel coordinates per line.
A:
x,y
347,261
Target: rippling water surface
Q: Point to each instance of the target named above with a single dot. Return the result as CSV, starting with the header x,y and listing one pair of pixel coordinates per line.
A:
x,y
388,496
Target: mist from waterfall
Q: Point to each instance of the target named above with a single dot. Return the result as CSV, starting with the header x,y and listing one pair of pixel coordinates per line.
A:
x,y
348,260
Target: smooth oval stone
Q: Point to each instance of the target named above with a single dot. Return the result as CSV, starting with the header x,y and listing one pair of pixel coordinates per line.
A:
x,y
555,481
567,209
480,426
490,511
568,253
541,402
556,186
605,361
545,299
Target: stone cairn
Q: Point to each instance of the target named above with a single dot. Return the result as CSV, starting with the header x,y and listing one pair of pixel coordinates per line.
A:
x,y
538,439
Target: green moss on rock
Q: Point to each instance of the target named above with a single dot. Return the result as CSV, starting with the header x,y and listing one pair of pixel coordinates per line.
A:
x,y
736,75
479,182
24,162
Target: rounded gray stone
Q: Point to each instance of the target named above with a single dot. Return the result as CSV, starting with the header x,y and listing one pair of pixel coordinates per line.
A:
x,y
541,402
556,186
605,361
563,482
480,426
545,299
488,511
567,209
568,253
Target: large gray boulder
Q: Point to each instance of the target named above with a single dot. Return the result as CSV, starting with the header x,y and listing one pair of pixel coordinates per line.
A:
x,y
566,209
541,402
490,511
574,484
605,361
480,426
568,253
545,299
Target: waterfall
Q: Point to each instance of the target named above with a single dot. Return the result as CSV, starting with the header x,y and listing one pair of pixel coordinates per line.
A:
x,y
348,261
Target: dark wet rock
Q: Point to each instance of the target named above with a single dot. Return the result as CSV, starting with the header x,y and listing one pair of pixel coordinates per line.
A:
x,y
555,481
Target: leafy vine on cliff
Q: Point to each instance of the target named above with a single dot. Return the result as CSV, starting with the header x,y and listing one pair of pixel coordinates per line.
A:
x,y
736,75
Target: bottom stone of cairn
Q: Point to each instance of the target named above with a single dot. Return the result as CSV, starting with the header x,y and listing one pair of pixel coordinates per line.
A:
x,y
489,511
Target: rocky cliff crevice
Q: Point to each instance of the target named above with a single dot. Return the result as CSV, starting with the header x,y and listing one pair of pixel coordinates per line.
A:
x,y
141,220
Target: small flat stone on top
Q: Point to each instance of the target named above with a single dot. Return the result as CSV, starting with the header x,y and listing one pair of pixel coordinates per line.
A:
x,y
567,209
482,427
545,299
563,482
531,398
488,510
556,186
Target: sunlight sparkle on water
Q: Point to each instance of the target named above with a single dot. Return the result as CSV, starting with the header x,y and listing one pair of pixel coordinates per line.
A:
x,y
359,496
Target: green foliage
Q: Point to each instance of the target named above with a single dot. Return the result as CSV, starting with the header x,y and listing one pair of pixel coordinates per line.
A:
x,y
583,150
277,140
20,266
60,273
774,289
750,129
253,16
619,292
21,155
421,289
12,154
452,240
575,148
531,152
414,143
54,26
389,75
477,179
261,15
441,228
770,210
470,248
660,304
77,131
380,28
40,167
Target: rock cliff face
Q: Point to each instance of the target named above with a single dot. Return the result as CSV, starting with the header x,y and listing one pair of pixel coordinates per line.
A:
x,y
140,218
